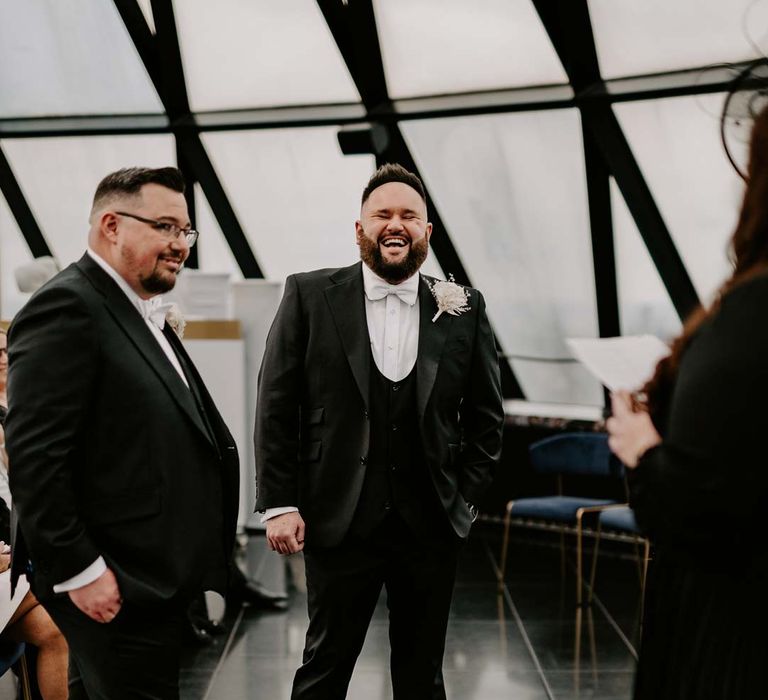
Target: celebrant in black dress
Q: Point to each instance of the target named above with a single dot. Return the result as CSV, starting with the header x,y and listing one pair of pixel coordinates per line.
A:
x,y
699,480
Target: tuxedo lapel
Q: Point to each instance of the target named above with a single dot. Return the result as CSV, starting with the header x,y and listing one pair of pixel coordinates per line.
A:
x,y
346,300
432,337
133,325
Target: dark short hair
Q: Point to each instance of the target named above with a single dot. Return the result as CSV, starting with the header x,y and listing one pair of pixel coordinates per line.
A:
x,y
129,181
393,172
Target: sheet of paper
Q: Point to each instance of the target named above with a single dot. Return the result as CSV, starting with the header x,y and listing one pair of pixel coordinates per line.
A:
x,y
620,363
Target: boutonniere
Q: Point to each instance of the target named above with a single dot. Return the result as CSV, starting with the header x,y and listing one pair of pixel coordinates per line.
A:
x,y
451,298
175,319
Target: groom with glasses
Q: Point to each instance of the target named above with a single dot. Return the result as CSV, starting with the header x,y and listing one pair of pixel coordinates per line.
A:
x,y
124,475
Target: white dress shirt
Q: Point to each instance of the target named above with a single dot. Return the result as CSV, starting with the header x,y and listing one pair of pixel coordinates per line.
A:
x,y
144,307
392,313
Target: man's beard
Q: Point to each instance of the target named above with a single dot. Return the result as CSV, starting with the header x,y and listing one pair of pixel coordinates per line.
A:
x,y
159,282
394,273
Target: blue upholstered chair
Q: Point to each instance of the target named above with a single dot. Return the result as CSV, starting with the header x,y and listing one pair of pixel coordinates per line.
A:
x,y
10,653
569,454
620,519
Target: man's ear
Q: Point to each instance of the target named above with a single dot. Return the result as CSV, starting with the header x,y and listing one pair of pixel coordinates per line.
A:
x,y
108,226
358,231
428,231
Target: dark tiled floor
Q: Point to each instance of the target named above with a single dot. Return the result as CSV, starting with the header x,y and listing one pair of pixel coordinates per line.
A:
x,y
530,643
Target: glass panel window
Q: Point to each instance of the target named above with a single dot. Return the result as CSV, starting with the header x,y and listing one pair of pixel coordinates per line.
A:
x,y
513,193
656,36
60,196
241,54
677,144
644,304
214,253
295,194
434,47
13,253
73,57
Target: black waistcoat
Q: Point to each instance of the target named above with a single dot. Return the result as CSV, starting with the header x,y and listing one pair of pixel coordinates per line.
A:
x,y
396,477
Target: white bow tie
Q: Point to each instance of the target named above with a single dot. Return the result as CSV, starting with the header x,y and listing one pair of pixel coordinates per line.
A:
x,y
407,292
154,310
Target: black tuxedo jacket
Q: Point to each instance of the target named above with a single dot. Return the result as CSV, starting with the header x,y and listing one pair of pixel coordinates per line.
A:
x,y
312,430
109,453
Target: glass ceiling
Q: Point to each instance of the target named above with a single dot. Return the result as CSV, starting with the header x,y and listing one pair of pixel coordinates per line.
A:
x,y
657,36
454,46
510,187
72,57
240,55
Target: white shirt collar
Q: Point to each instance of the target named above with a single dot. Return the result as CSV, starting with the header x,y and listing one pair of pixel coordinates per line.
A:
x,y
134,298
370,278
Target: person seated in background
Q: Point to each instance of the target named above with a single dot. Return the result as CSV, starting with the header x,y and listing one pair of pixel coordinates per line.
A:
x,y
27,620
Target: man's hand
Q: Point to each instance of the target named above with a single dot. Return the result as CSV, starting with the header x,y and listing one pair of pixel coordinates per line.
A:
x,y
100,599
285,533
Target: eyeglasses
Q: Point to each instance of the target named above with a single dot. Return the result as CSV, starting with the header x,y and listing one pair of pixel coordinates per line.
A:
x,y
170,231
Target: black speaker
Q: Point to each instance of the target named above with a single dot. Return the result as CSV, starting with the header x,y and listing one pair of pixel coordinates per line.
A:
x,y
363,138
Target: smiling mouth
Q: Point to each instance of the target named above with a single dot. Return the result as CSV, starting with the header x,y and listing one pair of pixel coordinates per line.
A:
x,y
394,242
174,263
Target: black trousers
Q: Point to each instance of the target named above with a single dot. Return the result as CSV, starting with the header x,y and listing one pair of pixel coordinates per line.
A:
x,y
343,586
134,657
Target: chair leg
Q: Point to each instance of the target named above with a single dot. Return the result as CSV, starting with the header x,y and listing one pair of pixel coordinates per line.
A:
x,y
504,546
646,559
595,554
26,689
579,558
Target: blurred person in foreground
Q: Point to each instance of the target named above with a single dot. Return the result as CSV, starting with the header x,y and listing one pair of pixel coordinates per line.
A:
x,y
22,618
378,425
699,482
123,474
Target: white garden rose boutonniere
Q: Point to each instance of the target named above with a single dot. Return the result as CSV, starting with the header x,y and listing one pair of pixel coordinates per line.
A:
x,y
175,319
451,298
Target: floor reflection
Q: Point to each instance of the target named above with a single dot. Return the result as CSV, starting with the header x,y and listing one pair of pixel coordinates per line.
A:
x,y
528,642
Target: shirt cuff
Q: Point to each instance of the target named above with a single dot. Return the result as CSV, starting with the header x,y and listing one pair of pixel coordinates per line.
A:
x,y
85,577
274,512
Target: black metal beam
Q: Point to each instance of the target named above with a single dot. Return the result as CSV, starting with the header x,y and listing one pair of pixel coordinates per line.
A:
x,y
618,155
706,80
601,226
569,27
20,210
193,261
161,55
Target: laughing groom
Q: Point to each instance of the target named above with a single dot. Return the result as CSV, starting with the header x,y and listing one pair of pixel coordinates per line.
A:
x,y
378,425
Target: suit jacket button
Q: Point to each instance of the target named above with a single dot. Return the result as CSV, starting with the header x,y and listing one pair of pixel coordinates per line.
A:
x,y
363,460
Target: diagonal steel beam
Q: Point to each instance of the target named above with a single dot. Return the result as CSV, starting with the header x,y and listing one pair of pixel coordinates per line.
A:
x,y
569,27
17,203
161,56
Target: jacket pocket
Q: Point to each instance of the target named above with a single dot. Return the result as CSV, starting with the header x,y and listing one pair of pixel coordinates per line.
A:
x,y
136,505
314,416
310,451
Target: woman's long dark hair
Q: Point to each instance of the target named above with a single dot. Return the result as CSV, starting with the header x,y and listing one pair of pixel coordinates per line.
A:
x,y
748,254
